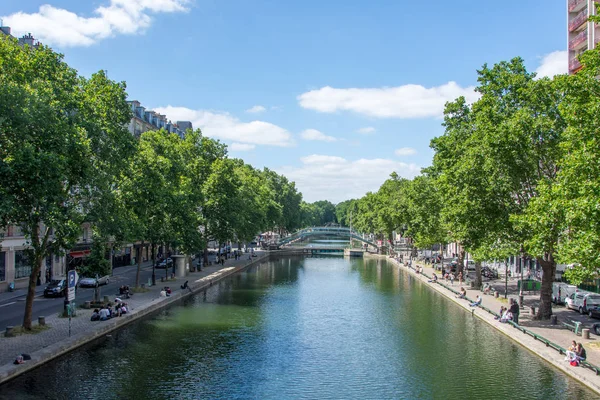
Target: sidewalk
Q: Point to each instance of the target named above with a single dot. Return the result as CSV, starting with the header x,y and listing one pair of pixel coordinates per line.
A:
x,y
55,341
557,334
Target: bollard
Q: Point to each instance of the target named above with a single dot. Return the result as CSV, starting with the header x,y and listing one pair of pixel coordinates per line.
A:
x,y
9,331
553,319
88,304
496,294
106,299
585,333
41,321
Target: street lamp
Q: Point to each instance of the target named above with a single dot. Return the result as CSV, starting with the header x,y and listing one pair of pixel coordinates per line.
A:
x,y
521,288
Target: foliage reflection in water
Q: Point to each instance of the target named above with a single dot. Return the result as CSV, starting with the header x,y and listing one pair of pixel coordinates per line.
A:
x,y
304,328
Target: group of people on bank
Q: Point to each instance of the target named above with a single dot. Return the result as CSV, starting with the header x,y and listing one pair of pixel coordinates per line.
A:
x,y
575,354
106,312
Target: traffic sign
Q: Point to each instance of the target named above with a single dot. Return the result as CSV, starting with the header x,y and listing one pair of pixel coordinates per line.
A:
x,y
72,278
72,281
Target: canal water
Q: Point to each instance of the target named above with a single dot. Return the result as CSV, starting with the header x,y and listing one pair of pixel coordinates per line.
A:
x,y
304,328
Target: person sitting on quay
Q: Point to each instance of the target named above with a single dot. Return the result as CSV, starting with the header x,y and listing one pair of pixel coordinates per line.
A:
x,y
501,313
462,294
95,315
433,278
124,309
118,309
163,293
580,353
104,314
487,289
507,316
571,351
477,302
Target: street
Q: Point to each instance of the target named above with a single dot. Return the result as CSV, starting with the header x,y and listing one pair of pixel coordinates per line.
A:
x,y
12,309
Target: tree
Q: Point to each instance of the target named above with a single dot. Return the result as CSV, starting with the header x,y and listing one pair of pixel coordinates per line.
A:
x,y
289,200
52,148
424,204
152,190
569,208
343,211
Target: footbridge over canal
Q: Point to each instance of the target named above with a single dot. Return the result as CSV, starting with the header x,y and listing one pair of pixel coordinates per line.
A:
x,y
327,239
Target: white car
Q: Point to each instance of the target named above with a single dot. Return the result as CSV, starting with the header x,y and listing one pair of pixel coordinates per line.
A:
x,y
91,282
569,301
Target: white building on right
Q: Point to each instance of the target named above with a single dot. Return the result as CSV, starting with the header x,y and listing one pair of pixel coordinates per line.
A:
x,y
582,35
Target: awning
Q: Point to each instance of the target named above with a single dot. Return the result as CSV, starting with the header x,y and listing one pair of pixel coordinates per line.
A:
x,y
79,253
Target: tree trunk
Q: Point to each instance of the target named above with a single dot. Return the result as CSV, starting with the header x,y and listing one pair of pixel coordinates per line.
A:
x,y
31,291
461,260
549,270
205,256
139,265
478,280
39,253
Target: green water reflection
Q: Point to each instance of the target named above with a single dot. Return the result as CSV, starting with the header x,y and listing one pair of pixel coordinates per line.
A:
x,y
311,328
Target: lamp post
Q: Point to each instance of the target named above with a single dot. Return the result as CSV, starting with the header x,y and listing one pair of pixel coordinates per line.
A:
x,y
521,288
505,279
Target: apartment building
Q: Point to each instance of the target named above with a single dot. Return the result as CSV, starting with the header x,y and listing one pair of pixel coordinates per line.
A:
x,y
582,35
147,120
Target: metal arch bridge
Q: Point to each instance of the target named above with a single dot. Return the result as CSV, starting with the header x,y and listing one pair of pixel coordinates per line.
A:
x,y
323,231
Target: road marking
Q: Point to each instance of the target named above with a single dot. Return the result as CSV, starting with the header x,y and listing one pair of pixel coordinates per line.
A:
x,y
7,304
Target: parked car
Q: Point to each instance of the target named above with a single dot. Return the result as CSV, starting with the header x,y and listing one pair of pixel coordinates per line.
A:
x,y
561,290
166,263
487,272
569,301
91,282
584,301
470,265
56,288
594,313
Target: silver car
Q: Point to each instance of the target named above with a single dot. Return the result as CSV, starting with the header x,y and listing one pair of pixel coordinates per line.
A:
x,y
91,282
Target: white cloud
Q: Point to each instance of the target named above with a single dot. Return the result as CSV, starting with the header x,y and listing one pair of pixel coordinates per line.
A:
x,y
313,134
405,151
366,130
241,147
336,179
227,127
256,109
407,101
57,26
554,63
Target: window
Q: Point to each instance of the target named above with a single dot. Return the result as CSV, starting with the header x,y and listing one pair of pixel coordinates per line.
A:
x,y
22,265
2,266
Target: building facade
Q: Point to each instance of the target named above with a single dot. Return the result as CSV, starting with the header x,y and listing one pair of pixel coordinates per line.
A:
x,y
582,35
147,120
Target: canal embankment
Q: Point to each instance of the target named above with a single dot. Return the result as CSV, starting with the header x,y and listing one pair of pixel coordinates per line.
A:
x,y
55,341
544,330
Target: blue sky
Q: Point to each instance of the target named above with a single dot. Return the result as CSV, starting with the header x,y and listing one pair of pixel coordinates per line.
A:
x,y
334,94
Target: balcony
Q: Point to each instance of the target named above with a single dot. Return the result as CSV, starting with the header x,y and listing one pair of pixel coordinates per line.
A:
x,y
576,5
574,64
578,20
577,41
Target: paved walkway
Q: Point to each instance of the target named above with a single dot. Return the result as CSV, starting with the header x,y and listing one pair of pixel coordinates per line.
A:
x,y
56,341
557,334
